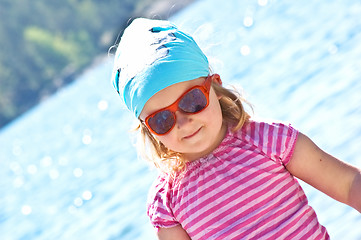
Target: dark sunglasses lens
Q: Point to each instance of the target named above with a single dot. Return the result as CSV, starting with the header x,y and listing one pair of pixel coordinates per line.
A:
x,y
161,122
194,101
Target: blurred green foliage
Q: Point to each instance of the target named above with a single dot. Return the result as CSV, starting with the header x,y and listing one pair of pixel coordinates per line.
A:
x,y
44,44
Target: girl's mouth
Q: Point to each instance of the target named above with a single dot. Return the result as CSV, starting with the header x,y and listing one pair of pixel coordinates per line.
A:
x,y
193,134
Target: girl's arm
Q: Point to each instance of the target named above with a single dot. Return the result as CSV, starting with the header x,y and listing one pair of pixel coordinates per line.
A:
x,y
335,178
173,233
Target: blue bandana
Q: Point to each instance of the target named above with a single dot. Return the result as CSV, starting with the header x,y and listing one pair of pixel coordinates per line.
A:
x,y
152,55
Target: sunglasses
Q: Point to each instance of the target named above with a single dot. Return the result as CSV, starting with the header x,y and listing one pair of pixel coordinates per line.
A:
x,y
193,101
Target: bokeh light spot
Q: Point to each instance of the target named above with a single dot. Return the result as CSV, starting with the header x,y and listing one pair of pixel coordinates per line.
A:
x,y
102,105
78,172
87,195
26,210
245,50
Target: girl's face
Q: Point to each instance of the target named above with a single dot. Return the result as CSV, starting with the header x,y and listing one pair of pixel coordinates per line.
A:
x,y
194,135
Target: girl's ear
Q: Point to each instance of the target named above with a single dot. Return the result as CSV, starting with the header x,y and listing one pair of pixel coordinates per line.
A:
x,y
216,78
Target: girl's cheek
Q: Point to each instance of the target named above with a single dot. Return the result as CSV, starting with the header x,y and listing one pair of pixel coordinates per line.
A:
x,y
165,139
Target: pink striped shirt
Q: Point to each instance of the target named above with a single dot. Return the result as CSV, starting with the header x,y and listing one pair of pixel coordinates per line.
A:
x,y
241,190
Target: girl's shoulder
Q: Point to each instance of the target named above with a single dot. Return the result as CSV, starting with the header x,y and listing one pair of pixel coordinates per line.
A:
x,y
159,208
275,139
161,187
160,183
258,129
259,124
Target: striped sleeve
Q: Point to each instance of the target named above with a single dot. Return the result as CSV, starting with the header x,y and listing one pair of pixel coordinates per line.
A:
x,y
276,140
158,208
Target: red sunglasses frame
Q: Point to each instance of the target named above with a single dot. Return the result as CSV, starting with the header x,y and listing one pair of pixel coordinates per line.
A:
x,y
205,88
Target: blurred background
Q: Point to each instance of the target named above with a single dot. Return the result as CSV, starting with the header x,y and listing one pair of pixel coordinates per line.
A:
x,y
46,45
68,166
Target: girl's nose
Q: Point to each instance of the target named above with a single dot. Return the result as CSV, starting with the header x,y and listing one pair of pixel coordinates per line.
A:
x,y
182,118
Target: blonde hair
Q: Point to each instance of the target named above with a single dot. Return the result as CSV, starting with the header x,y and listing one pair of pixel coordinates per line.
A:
x,y
171,162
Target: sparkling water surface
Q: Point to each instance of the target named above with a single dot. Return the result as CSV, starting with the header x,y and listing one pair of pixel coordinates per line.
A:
x,y
68,167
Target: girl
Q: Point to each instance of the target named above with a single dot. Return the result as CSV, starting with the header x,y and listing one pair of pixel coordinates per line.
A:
x,y
223,175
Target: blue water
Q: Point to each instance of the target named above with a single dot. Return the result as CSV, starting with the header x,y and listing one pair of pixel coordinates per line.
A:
x,y
69,171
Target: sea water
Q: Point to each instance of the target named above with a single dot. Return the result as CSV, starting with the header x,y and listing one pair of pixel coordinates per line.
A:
x,y
69,169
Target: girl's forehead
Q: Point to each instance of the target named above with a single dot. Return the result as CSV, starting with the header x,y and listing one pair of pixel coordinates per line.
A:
x,y
167,96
